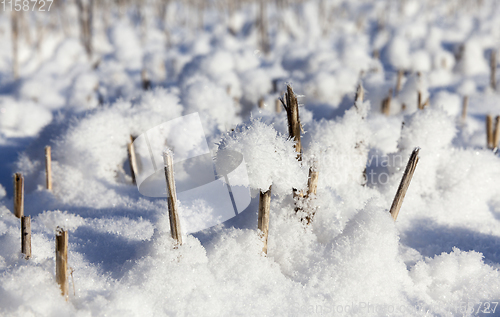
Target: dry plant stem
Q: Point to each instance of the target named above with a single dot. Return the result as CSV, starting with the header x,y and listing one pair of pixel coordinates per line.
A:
x,y
275,85
459,53
164,25
25,27
63,18
277,105
419,100
120,7
162,12
201,11
399,81
132,159
312,182
292,112
143,20
496,135
175,225
294,127
312,186
48,168
489,132
15,37
62,261
261,103
386,103
405,182
264,211
72,280
263,26
230,9
19,195
493,68
360,94
465,104
237,105
85,19
26,236
146,83
40,31
426,103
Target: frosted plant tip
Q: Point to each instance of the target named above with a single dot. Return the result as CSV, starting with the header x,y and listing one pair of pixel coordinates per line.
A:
x,y
168,155
167,151
416,152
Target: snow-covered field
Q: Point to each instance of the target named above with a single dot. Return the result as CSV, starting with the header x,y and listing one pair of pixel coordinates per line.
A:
x,y
221,59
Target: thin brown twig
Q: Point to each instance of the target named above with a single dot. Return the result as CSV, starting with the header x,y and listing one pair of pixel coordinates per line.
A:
x,y
405,183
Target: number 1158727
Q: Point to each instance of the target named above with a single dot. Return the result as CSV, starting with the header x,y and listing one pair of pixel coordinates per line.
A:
x,y
26,5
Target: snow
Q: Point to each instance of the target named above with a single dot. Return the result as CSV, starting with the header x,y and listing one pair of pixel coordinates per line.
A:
x,y
271,157
54,219
449,102
20,119
472,61
409,93
398,53
207,76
